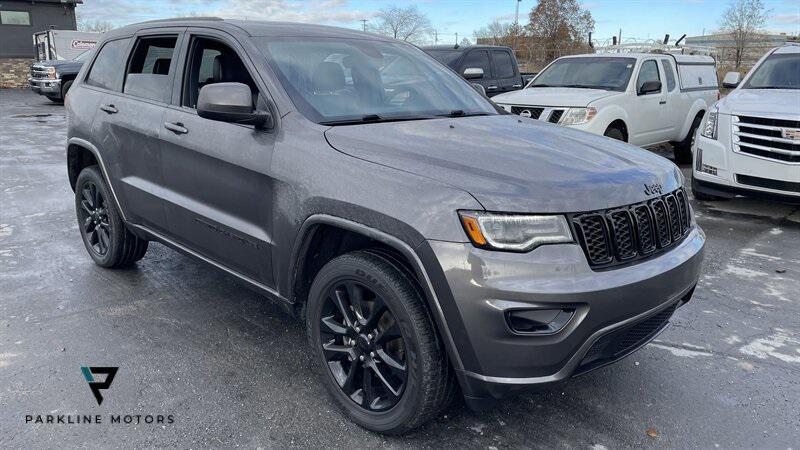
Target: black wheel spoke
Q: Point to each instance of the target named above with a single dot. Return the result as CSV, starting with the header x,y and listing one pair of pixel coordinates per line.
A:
x,y
88,197
363,346
105,239
86,206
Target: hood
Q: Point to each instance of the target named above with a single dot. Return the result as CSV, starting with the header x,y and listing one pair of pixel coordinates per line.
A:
x,y
59,63
762,102
553,96
513,164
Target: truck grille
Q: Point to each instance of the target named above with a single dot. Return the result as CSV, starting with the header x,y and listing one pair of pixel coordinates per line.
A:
x,y
618,236
535,112
552,115
767,138
555,116
38,72
778,185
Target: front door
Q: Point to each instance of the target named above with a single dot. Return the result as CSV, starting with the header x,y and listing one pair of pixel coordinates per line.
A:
x,y
479,59
506,77
218,188
652,123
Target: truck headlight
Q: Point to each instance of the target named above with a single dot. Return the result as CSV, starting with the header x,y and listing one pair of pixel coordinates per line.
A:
x,y
514,232
577,116
51,73
711,125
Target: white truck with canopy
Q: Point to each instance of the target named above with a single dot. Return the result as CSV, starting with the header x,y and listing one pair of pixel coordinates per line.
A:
x,y
641,98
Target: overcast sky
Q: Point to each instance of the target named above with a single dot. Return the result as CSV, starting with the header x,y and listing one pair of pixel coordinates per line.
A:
x,y
637,18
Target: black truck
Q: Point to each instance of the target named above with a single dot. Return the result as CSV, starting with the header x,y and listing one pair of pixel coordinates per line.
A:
x,y
53,78
492,66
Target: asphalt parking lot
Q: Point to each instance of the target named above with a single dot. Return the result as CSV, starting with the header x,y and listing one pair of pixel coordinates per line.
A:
x,y
233,370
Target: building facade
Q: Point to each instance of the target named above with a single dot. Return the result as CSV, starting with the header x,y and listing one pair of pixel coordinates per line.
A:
x,y
19,19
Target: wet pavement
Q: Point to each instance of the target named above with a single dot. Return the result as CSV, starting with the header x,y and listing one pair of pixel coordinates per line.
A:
x,y
230,369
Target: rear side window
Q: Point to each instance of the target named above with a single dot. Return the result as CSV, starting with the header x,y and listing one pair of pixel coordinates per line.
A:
x,y
148,74
669,74
648,72
477,59
107,70
503,65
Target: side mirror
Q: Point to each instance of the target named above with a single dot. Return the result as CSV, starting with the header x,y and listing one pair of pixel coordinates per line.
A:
x,y
231,102
478,87
731,80
473,73
649,87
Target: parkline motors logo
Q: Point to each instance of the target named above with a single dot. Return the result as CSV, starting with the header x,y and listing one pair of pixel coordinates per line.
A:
x,y
96,386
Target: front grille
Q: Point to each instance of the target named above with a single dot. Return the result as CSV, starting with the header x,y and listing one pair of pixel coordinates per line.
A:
x,y
631,233
767,138
535,112
555,116
38,72
621,342
767,183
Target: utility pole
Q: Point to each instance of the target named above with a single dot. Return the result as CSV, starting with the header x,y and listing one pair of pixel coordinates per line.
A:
x,y
456,39
619,49
435,37
364,24
516,26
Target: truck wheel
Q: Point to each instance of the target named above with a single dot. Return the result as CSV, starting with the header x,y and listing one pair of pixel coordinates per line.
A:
x,y
615,133
65,89
683,149
104,234
53,99
375,344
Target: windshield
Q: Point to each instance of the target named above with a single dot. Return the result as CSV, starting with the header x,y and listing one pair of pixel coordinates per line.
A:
x,y
611,74
338,81
777,72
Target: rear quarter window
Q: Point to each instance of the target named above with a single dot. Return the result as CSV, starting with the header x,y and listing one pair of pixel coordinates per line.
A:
x,y
669,74
503,64
108,68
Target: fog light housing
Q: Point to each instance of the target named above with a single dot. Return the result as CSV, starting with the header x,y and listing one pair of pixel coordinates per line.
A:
x,y
539,321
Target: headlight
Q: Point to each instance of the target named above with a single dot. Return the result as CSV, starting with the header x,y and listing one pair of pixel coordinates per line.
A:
x,y
514,232
710,127
577,116
51,73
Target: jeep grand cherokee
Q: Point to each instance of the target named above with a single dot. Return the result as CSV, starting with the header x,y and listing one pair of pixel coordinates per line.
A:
x,y
431,243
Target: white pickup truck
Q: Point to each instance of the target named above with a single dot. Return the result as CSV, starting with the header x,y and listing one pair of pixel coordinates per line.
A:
x,y
641,98
749,142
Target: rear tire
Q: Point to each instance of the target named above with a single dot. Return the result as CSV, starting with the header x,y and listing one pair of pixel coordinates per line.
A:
x,y
683,149
375,392
615,133
109,243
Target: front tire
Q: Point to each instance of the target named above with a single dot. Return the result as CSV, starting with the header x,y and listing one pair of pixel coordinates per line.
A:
x,y
615,133
109,243
374,342
65,90
683,149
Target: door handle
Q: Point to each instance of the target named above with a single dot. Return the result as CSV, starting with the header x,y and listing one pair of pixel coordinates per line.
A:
x,y
491,88
176,128
110,109
662,102
517,86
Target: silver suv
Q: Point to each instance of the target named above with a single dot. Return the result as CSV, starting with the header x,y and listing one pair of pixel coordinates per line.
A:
x,y
431,242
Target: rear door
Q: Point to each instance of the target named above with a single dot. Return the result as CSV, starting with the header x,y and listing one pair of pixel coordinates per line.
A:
x,y
505,71
218,184
130,123
479,59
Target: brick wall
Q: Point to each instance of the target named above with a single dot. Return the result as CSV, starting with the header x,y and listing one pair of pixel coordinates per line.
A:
x,y
14,72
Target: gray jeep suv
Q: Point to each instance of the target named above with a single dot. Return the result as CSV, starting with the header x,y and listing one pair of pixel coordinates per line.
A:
x,y
431,243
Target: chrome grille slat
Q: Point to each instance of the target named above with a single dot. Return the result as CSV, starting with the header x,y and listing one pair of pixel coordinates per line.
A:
x,y
630,233
764,138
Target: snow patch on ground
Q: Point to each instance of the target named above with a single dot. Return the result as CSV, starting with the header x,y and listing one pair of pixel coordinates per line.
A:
x,y
682,352
744,272
767,347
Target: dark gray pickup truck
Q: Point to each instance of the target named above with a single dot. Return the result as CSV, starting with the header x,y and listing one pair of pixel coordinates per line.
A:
x,y
53,78
492,66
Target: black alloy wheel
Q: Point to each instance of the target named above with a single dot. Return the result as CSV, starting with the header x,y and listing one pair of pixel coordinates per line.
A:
x,y
93,218
363,346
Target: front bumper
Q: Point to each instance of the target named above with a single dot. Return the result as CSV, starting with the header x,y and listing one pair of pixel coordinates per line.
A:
x,y
485,285
45,86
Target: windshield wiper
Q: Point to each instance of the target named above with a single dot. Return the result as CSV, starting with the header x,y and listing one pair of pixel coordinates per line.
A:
x,y
461,113
373,118
581,86
772,87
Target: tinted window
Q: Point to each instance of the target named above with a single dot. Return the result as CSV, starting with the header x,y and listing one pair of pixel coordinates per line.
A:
x,y
503,65
211,61
778,71
648,72
608,73
479,59
107,70
447,57
669,74
15,18
149,69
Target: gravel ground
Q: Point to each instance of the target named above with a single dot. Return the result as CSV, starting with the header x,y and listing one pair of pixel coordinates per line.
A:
x,y
233,370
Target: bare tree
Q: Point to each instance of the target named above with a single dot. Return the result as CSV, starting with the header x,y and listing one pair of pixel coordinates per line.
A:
x,y
559,24
465,42
497,32
99,26
407,24
743,19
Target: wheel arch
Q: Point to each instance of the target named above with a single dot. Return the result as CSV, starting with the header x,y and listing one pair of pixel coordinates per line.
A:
x,y
81,154
698,108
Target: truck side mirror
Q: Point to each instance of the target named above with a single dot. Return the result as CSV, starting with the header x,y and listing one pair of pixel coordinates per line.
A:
x,y
731,80
473,73
649,87
231,102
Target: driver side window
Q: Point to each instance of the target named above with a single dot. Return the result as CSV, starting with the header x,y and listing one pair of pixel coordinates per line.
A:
x,y
211,61
648,72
